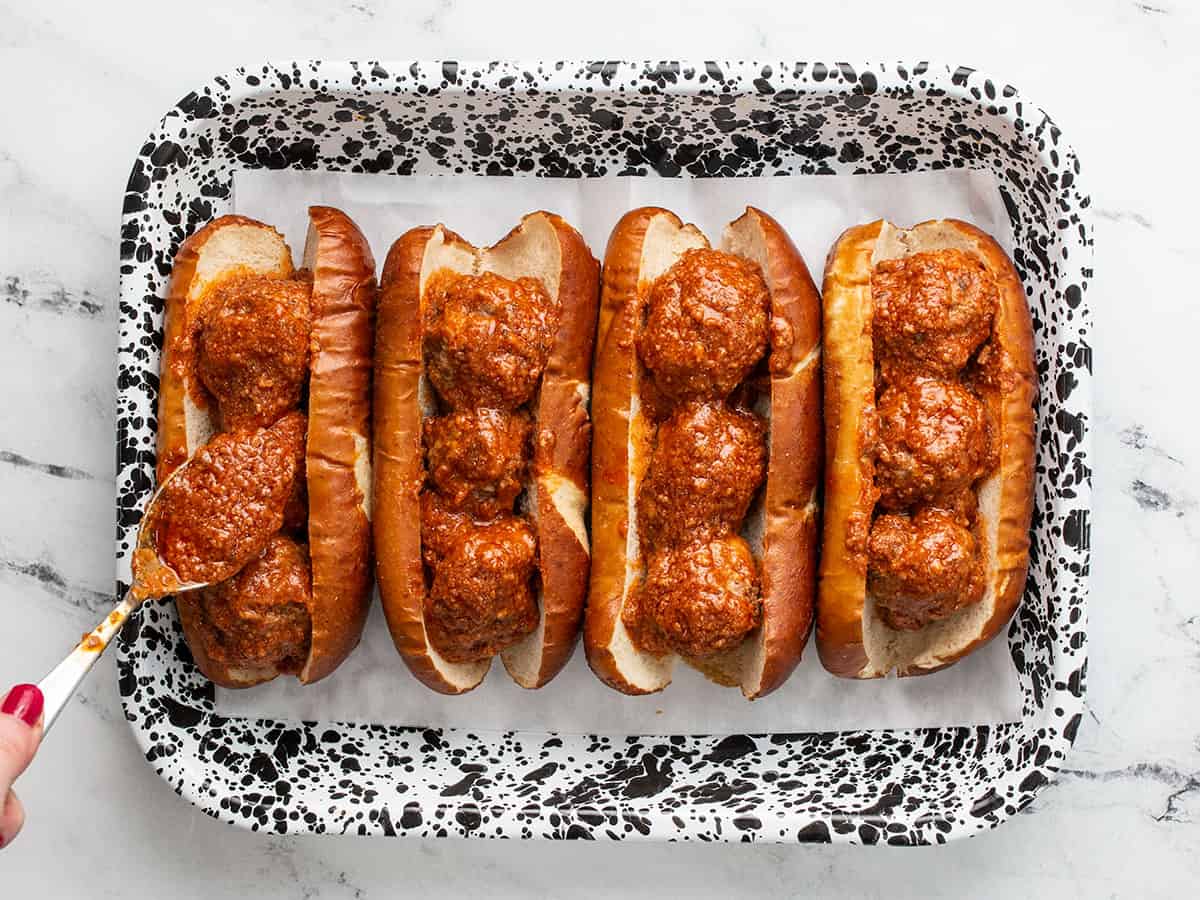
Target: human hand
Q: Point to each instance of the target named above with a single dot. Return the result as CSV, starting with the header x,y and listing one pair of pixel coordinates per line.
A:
x,y
20,734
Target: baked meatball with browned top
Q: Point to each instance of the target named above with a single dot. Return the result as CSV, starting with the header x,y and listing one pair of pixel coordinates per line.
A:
x,y
705,468
931,311
481,600
487,338
923,568
252,348
706,325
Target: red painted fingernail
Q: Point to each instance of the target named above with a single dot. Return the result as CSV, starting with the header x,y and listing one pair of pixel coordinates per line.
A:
x,y
25,702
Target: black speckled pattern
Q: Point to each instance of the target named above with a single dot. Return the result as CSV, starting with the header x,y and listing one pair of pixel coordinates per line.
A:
x,y
585,120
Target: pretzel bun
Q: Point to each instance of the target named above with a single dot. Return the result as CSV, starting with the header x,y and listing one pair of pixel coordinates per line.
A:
x,y
555,495
852,639
337,449
781,526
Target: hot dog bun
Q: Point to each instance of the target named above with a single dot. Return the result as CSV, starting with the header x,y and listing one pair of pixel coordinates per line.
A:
x,y
337,452
851,638
544,247
781,527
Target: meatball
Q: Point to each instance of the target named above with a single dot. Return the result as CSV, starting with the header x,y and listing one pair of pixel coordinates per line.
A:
x,y
922,569
477,459
218,511
636,616
252,348
932,310
481,600
702,597
441,527
708,462
487,338
963,506
706,325
933,441
295,511
260,617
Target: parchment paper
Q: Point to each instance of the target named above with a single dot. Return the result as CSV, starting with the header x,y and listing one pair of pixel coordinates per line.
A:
x,y
373,685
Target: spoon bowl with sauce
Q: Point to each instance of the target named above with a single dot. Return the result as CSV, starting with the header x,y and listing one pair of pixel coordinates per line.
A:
x,y
152,577
207,519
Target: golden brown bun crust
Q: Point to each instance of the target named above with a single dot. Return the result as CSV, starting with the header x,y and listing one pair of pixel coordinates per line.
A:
x,y
613,378
850,426
562,442
849,375
789,561
789,507
172,430
339,427
398,469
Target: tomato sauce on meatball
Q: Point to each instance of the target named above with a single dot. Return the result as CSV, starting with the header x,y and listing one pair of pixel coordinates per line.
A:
x,y
933,441
252,348
699,599
477,459
708,463
260,617
481,599
923,568
706,325
219,511
487,338
931,311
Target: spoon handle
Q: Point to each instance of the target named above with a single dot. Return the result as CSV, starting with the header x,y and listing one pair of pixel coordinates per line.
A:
x,y
59,686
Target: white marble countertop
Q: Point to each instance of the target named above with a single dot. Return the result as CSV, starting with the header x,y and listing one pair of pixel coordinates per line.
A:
x,y
80,86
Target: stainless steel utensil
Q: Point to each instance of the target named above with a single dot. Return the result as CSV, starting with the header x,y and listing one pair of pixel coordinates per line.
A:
x,y
60,685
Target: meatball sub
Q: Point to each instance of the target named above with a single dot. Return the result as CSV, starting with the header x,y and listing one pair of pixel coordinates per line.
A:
x,y
264,392
707,455
482,437
929,390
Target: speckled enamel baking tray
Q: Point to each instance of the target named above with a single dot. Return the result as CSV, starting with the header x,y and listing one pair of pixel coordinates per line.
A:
x,y
588,119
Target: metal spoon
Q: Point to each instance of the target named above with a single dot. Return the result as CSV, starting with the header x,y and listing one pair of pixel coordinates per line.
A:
x,y
157,579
